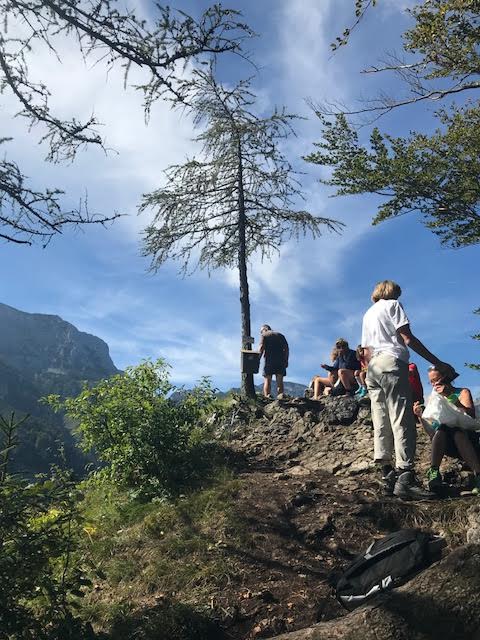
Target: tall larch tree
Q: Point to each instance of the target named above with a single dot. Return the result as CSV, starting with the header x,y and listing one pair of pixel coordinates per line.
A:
x,y
237,198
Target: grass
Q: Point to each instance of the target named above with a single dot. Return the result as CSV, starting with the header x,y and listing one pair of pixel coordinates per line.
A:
x,y
445,517
171,552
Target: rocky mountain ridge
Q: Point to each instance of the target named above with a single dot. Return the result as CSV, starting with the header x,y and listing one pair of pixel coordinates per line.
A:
x,y
42,354
36,344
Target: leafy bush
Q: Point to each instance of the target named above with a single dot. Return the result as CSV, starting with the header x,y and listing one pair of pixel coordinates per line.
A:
x,y
148,441
41,579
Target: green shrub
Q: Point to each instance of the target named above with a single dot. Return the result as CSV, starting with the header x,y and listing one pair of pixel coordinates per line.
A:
x,y
42,577
148,441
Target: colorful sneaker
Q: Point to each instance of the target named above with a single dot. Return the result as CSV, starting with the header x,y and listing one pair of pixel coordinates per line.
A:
x,y
476,485
434,479
361,393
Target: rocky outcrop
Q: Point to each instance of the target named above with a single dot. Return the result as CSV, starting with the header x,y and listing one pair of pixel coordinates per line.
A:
x,y
327,448
301,436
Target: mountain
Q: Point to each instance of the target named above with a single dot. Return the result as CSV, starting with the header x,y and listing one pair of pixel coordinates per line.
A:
x,y
39,355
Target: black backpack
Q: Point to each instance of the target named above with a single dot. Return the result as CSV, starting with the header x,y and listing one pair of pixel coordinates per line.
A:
x,y
387,563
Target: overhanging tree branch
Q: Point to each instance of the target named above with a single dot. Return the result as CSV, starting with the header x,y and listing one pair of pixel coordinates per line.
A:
x,y
105,32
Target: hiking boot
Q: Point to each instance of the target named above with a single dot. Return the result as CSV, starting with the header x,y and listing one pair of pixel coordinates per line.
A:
x,y
476,485
408,488
388,482
308,393
434,479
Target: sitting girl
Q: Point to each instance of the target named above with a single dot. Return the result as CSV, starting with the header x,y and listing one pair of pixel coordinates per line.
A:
x,y
452,441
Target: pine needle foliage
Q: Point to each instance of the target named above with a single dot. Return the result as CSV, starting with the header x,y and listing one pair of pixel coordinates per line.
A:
x,y
237,198
436,175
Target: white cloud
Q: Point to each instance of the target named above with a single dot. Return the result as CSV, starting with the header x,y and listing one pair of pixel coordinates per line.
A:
x,y
138,153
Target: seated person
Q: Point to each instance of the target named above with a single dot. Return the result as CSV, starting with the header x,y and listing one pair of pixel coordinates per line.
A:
x,y
319,384
452,441
341,378
361,374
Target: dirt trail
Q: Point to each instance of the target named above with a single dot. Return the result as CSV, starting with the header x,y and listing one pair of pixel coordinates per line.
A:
x,y
309,502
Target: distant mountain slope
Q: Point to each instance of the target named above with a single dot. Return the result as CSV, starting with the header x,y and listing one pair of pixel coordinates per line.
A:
x,y
35,343
294,389
39,355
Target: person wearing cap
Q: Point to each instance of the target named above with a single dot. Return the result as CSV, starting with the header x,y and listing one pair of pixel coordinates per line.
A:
x,y
274,348
386,334
341,370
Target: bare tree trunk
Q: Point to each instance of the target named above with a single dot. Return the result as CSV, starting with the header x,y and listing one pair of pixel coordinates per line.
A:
x,y
248,387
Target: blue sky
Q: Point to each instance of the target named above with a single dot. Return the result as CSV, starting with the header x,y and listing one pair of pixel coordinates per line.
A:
x,y
314,291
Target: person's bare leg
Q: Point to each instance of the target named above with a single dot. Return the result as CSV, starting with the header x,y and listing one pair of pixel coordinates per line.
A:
x,y
466,450
347,378
439,443
267,385
279,379
318,387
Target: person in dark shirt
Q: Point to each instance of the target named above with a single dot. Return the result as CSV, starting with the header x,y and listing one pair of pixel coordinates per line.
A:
x,y
274,347
342,369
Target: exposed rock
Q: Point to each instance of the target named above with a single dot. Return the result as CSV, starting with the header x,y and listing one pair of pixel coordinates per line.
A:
x,y
325,435
341,410
324,498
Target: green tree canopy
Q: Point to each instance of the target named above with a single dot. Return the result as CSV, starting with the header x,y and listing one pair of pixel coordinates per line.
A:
x,y
437,175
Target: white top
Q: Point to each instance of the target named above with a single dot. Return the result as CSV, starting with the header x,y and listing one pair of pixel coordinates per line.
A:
x,y
379,329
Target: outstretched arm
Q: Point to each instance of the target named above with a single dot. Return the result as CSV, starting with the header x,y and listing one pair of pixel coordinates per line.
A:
x,y
412,342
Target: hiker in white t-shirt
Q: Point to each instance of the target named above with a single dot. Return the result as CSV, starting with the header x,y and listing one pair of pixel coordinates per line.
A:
x,y
386,334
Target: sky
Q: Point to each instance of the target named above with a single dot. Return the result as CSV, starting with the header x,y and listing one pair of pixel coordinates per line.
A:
x,y
313,291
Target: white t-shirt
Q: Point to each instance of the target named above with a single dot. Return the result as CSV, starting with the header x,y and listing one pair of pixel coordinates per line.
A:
x,y
379,329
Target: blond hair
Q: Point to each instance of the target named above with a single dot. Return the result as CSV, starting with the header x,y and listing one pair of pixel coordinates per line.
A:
x,y
386,290
334,354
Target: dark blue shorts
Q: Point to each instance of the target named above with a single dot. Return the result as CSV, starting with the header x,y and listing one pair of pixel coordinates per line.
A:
x,y
274,367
